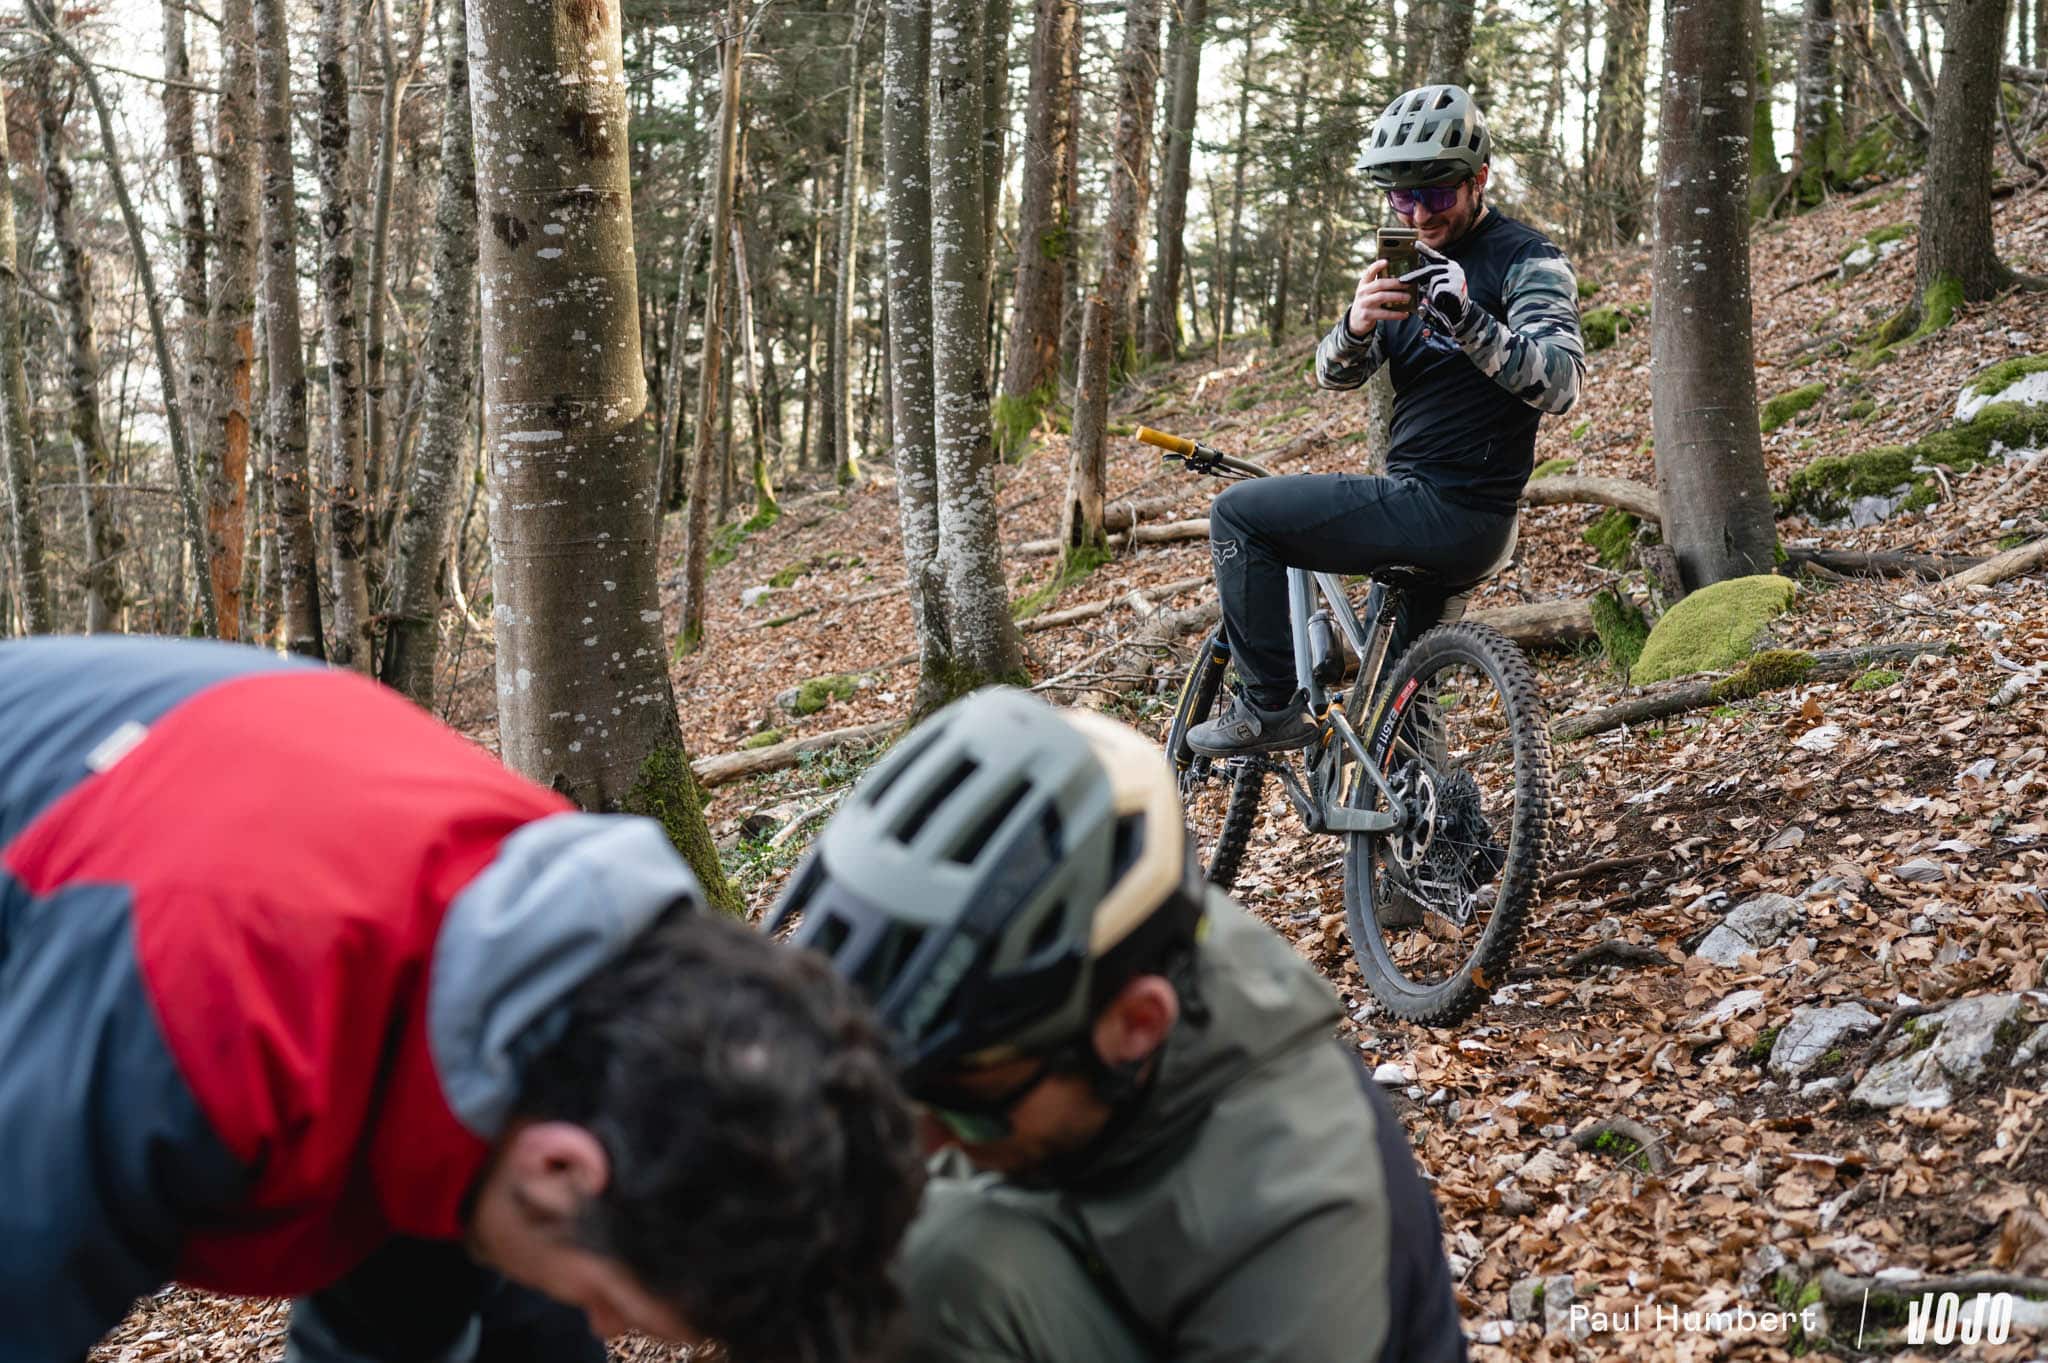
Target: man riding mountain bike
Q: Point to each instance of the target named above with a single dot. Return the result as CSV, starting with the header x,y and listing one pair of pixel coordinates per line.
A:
x,y
1177,1159
1490,343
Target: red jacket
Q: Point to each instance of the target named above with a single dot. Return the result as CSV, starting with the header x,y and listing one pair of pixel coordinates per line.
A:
x,y
270,941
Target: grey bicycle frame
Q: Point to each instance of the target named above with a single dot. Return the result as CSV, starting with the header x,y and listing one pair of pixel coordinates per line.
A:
x,y
1303,589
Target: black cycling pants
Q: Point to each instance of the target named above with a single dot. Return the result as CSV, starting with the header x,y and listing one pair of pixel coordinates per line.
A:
x,y
1336,523
416,1301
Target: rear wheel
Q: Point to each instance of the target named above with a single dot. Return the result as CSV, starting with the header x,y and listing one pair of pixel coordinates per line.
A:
x,y
1436,907
1221,797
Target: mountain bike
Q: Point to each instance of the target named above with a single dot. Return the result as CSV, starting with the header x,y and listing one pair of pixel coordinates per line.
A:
x,y
1434,776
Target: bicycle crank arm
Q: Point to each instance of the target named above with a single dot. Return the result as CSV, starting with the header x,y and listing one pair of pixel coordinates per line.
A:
x,y
1338,819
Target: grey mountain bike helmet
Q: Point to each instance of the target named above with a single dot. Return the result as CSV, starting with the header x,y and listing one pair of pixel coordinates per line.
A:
x,y
992,882
1431,136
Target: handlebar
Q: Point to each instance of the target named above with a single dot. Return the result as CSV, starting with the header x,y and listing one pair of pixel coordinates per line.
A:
x,y
1202,458
1173,444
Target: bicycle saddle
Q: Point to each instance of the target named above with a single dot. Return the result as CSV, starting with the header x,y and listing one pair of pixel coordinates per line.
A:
x,y
1408,576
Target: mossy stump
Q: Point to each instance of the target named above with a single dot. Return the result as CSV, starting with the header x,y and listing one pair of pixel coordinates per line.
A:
x,y
667,792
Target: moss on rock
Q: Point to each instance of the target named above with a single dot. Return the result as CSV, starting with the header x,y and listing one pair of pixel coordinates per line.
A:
x,y
1782,408
1771,670
1602,327
667,792
1861,409
1621,628
2006,373
819,692
1612,536
1876,679
1825,487
1550,468
767,738
1712,629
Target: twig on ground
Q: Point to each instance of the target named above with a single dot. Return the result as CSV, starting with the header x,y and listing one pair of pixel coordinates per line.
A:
x,y
1616,950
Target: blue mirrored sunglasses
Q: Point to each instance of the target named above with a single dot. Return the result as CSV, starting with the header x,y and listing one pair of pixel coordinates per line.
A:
x,y
1436,198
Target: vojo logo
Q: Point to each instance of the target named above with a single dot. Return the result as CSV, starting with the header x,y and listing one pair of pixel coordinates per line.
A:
x,y
1947,1319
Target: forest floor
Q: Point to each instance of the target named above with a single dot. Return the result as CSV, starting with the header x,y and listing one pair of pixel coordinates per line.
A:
x,y
1904,821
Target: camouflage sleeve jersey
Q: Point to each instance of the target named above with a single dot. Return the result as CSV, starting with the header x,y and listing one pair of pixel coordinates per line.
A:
x,y
1466,406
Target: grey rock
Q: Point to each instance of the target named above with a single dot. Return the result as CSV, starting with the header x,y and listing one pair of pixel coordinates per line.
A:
x,y
1724,946
752,596
1734,1006
1558,1295
1525,1299
1921,871
1810,1033
786,700
1821,1088
1859,261
1545,1166
1913,1080
2033,1048
1969,1032
1390,1075
1494,1331
1453,1110
1764,920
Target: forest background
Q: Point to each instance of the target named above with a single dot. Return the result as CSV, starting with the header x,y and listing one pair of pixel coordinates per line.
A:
x,y
679,399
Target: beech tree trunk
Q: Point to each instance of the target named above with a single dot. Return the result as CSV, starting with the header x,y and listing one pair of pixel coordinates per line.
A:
x,y
17,417
298,554
1617,163
1819,146
983,635
704,446
763,478
418,568
1446,29
906,167
1243,145
1710,466
347,530
102,541
1162,330
1045,207
381,460
584,701
995,121
839,399
226,392
1958,260
182,148
1130,177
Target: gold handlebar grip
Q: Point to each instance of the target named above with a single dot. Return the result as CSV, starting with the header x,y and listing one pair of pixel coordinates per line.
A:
x,y
1172,444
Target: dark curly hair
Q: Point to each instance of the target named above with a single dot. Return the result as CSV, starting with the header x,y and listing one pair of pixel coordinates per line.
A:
x,y
763,1162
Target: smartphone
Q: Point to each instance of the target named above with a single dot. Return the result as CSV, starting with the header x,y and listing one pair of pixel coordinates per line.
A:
x,y
1396,246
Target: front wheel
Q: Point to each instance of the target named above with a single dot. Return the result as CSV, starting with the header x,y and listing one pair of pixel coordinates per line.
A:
x,y
1221,798
1436,907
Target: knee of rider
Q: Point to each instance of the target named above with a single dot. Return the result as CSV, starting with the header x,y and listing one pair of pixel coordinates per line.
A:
x,y
978,1265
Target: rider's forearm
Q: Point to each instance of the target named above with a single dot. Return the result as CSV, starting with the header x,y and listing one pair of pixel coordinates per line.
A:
x,y
1345,361
1536,354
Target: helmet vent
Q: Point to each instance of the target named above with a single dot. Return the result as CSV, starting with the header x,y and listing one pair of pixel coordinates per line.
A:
x,y
903,759
832,935
1129,842
928,804
1047,933
976,842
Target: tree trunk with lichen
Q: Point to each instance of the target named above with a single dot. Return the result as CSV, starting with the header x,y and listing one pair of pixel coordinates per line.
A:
x,y
17,431
1958,258
347,538
983,636
1162,324
225,391
418,569
1819,116
704,446
839,392
584,700
1081,530
1710,463
101,578
1616,171
1031,367
298,553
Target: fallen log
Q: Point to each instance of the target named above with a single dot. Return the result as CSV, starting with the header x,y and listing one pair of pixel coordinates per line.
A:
x,y
1883,562
1568,489
1540,624
731,766
1075,614
1999,567
1172,532
1846,1290
1744,682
